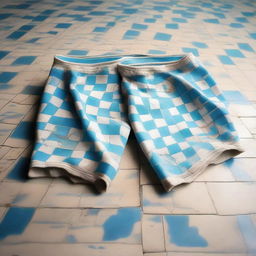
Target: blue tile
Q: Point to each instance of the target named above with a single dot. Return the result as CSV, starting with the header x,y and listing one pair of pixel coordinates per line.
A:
x,y
234,53
5,77
178,226
32,90
160,8
236,167
162,36
150,20
139,26
248,14
130,10
48,12
20,170
33,40
121,224
179,20
245,47
5,15
247,227
24,130
24,60
190,50
18,6
15,221
242,19
156,52
63,25
131,34
26,27
78,52
225,60
53,32
3,54
16,35
98,13
200,45
100,29
40,18
83,19
253,35
236,25
111,24
213,21
172,26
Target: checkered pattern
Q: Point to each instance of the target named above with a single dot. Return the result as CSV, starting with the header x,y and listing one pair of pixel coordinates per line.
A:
x,y
81,125
175,110
179,119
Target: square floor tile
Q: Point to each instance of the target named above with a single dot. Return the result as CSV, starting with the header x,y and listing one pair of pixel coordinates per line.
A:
x,y
233,198
203,233
51,249
123,192
191,199
153,233
121,225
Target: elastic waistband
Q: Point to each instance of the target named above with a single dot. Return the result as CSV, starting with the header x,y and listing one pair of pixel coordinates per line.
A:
x,y
154,63
124,62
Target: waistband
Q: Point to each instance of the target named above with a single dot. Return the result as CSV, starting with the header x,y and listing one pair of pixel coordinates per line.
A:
x,y
128,63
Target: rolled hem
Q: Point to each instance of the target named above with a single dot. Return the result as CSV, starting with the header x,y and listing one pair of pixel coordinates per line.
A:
x,y
216,157
76,175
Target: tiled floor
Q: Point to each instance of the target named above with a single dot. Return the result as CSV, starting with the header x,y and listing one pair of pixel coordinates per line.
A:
x,y
215,215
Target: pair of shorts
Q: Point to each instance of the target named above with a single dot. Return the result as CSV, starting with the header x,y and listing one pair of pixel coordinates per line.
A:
x,y
89,106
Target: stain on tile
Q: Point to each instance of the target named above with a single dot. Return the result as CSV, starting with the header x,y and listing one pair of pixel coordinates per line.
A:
x,y
182,234
121,225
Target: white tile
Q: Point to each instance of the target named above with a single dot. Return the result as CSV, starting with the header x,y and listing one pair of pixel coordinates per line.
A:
x,y
2,212
190,199
14,153
5,131
219,172
243,110
241,128
152,233
12,113
155,254
249,146
123,192
9,191
30,194
3,151
62,194
51,249
234,197
250,123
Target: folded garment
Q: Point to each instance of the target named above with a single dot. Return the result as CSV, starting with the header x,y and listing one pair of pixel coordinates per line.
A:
x,y
90,104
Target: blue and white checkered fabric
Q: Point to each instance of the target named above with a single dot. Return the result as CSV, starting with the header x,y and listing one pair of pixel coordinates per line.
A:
x,y
174,107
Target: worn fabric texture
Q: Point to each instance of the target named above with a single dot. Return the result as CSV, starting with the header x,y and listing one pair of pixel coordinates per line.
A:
x,y
90,105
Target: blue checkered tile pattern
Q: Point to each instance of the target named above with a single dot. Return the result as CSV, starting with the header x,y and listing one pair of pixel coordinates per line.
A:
x,y
174,108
